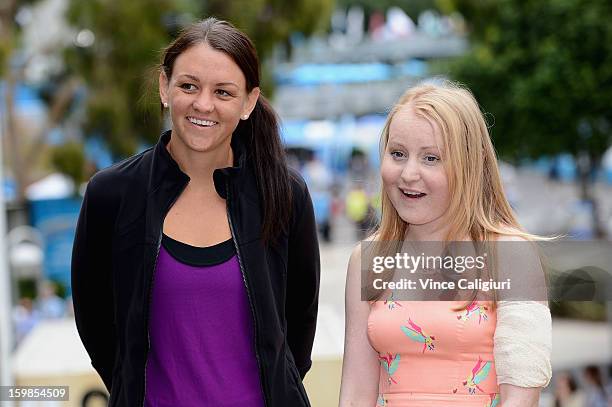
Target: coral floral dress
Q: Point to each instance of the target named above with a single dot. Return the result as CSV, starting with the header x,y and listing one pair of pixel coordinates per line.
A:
x,y
432,354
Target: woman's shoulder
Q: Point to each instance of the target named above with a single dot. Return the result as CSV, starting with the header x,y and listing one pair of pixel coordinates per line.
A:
x,y
516,245
129,170
365,244
298,185
123,180
520,260
515,242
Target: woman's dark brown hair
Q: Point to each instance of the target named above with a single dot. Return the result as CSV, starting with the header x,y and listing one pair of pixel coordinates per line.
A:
x,y
260,132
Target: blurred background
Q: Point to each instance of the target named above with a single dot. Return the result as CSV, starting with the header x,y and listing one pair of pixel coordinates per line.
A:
x,y
78,92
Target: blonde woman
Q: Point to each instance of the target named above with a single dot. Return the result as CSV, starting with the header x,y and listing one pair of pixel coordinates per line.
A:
x,y
440,182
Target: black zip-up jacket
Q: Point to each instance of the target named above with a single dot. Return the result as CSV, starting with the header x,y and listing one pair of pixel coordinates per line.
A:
x,y
114,258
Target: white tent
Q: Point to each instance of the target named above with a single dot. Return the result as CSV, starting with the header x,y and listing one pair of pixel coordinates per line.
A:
x,y
54,186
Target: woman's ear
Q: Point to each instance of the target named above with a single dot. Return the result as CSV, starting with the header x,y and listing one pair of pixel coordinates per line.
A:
x,y
163,87
251,101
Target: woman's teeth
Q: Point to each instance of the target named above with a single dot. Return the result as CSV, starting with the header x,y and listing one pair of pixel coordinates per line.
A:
x,y
203,123
414,194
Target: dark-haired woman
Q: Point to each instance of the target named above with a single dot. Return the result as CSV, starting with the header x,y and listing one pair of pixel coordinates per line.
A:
x,y
195,266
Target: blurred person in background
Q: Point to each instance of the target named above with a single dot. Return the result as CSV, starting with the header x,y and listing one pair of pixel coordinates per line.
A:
x,y
595,393
359,210
319,180
358,165
49,304
567,393
25,317
195,267
441,183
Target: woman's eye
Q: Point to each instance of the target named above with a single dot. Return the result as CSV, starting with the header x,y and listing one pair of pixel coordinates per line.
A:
x,y
188,86
431,158
397,154
223,93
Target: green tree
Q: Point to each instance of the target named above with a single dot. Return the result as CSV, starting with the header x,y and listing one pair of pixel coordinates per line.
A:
x,y
126,37
119,67
69,159
543,69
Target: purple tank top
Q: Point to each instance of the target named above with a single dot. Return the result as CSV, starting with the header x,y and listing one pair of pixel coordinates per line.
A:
x,y
201,331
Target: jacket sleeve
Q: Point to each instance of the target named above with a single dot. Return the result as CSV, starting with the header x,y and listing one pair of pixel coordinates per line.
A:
x,y
92,280
303,273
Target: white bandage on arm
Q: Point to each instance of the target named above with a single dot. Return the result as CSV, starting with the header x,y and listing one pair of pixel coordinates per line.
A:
x,y
523,343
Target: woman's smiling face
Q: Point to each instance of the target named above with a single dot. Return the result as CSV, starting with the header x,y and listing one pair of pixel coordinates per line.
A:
x,y
413,174
206,97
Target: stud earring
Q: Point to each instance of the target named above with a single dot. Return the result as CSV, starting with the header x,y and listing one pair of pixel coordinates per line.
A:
x,y
246,116
165,105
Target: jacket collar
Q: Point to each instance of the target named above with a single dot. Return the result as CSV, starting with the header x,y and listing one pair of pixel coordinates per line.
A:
x,y
166,168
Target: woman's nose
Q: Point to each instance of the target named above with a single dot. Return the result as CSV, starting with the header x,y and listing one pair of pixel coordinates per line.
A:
x,y
204,103
411,171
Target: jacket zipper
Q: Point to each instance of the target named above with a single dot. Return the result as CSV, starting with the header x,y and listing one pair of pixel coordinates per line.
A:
x,y
246,286
159,240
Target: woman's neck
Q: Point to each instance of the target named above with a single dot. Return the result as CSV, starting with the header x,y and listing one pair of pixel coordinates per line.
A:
x,y
200,166
426,233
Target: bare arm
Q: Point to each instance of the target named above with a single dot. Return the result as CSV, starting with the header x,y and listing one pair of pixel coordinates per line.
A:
x,y
360,367
514,396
